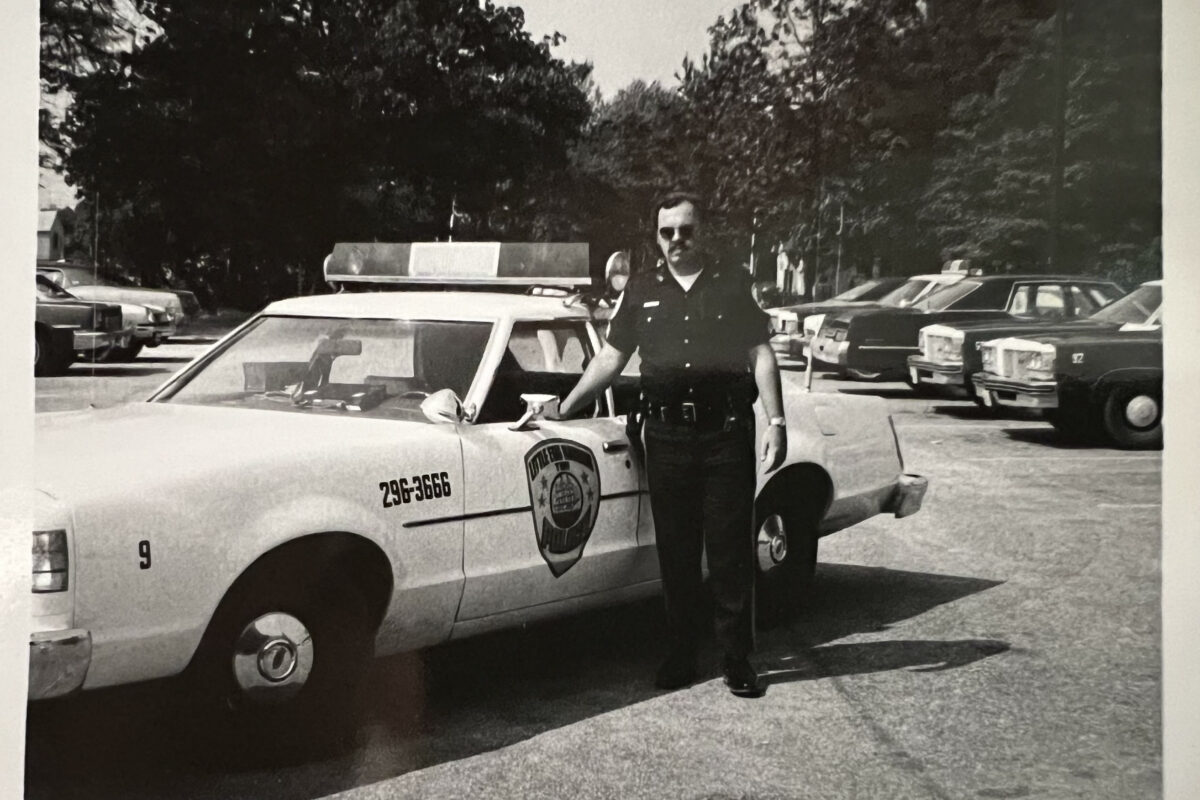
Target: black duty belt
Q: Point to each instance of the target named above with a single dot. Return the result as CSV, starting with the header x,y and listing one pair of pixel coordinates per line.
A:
x,y
702,415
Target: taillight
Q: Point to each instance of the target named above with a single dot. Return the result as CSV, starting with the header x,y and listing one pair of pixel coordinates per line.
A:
x,y
50,561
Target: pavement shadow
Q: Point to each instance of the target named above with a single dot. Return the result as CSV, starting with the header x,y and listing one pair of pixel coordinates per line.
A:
x,y
835,660
469,697
112,371
887,392
164,359
1050,437
976,412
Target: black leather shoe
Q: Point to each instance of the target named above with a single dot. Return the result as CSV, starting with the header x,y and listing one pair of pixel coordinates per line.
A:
x,y
741,678
678,671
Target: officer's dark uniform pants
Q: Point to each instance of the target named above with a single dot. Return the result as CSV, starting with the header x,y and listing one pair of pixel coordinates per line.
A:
x,y
702,493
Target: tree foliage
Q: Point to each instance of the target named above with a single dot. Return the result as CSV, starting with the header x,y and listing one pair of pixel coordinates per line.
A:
x,y
242,141
244,138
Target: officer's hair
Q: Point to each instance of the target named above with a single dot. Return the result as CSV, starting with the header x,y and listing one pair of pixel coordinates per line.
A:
x,y
673,199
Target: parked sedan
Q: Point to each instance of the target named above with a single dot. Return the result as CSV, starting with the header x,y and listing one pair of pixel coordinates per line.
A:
x,y
877,342
86,283
1090,384
809,316
951,354
869,294
67,328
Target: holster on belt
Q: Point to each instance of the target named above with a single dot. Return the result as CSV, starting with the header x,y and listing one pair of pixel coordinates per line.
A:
x,y
633,429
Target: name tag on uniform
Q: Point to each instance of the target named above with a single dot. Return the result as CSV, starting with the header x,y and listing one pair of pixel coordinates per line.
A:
x,y
650,304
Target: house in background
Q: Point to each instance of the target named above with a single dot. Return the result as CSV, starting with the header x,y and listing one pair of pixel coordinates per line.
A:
x,y
54,225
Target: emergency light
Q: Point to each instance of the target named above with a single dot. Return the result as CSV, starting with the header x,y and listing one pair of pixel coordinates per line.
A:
x,y
470,263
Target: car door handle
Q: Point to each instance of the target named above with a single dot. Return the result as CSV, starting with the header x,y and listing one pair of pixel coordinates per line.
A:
x,y
616,446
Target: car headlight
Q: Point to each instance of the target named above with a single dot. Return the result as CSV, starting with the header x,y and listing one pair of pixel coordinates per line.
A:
x,y
50,561
921,339
989,358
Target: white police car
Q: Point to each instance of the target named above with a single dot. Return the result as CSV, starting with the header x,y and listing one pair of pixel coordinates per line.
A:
x,y
356,473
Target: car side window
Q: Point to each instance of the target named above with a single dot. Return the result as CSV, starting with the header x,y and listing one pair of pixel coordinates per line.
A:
x,y
1049,301
541,358
1020,300
1085,301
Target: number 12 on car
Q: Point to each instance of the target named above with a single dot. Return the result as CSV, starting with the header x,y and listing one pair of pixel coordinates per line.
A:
x,y
430,486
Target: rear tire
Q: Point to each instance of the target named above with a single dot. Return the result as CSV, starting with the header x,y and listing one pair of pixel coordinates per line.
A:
x,y
1133,417
786,556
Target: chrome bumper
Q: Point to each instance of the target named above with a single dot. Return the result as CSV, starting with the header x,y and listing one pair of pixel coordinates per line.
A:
x,y
154,333
996,391
909,495
93,340
922,371
58,662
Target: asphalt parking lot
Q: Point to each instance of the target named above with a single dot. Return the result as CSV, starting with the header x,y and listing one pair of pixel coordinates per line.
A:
x,y
1002,643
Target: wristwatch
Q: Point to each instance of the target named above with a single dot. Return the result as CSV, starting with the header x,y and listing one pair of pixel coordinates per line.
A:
x,y
778,422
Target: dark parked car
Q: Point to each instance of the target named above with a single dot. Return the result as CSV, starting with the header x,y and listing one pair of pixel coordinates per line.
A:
x,y
877,342
1089,384
66,328
950,354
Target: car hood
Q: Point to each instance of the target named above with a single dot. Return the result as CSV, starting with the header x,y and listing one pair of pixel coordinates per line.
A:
x,y
135,447
996,329
828,307
128,294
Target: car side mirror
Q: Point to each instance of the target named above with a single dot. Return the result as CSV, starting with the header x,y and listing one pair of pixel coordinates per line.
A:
x,y
443,406
537,406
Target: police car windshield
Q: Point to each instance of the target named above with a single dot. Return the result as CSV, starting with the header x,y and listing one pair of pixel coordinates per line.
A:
x,y
369,367
1136,307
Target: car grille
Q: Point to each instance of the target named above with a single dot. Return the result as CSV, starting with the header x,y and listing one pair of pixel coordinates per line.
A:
x,y
942,349
1009,363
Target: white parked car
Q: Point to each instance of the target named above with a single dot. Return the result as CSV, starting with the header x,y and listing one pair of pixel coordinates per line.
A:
x,y
349,474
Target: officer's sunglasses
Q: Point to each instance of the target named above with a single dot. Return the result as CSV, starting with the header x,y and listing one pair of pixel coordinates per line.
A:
x,y
685,232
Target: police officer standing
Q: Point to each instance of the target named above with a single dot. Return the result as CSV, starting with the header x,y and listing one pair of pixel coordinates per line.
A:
x,y
705,357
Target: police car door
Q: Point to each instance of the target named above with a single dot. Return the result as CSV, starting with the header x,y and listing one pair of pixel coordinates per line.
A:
x,y
552,509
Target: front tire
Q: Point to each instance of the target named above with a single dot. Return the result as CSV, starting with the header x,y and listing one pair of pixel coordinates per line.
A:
x,y
786,558
47,360
1133,417
123,355
283,664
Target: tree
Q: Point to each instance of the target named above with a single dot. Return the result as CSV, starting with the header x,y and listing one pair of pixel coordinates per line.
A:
x,y
993,195
243,141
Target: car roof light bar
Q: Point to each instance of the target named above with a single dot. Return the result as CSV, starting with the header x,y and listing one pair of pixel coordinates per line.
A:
x,y
468,263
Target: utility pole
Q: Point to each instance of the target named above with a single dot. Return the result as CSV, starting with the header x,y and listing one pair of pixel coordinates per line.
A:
x,y
96,232
1058,165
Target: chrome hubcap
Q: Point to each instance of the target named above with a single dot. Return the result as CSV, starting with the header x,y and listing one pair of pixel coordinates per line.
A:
x,y
772,545
1141,411
273,658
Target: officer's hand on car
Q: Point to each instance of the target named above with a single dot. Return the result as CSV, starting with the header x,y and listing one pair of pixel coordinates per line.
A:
x,y
773,448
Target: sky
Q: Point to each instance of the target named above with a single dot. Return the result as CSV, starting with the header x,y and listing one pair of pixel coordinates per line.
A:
x,y
626,39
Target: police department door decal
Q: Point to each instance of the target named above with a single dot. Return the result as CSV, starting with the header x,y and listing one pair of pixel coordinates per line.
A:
x,y
564,491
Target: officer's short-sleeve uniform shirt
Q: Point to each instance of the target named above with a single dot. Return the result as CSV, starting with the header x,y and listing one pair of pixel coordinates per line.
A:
x,y
696,343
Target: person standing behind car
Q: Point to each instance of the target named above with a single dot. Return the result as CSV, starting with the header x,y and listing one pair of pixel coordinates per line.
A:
x,y
705,356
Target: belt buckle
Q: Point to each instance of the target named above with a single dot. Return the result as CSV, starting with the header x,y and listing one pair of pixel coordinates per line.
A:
x,y
687,412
